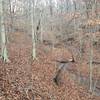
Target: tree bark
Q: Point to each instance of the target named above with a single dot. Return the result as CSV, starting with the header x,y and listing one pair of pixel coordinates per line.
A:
x,y
33,31
4,53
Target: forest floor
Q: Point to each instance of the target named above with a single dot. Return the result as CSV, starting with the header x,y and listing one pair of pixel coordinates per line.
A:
x,y
24,79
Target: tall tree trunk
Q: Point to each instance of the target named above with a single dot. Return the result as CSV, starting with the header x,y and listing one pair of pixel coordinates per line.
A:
x,y
4,52
33,31
91,66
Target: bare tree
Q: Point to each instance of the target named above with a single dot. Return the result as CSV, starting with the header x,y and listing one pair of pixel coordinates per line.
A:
x,y
33,30
4,52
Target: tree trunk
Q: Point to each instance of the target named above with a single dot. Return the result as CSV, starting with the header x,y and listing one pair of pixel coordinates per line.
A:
x,y
33,31
4,52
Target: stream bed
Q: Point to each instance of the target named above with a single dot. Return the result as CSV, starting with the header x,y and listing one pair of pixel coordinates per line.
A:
x,y
82,80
